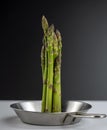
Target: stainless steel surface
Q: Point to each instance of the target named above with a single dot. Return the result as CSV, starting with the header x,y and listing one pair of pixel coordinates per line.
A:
x,y
72,112
70,116
87,115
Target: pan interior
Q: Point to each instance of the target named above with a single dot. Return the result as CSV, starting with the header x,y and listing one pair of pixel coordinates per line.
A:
x,y
67,106
74,106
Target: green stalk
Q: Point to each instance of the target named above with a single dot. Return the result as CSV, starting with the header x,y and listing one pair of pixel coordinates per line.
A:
x,y
44,73
44,63
50,69
43,76
57,74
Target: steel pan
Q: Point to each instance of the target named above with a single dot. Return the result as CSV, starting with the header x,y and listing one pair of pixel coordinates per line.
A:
x,y
72,112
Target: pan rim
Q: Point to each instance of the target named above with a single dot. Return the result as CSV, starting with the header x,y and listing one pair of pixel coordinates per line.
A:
x,y
52,113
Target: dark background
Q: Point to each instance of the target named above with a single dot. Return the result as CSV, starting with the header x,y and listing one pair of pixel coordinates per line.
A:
x,y
83,25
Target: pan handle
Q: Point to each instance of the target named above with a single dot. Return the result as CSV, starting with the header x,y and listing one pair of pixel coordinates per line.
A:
x,y
74,115
87,115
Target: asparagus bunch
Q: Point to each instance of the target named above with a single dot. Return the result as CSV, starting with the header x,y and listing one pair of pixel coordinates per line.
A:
x,y
51,68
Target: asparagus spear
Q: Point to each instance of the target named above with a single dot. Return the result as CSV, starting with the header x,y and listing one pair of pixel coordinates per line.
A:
x,y
44,73
44,62
57,74
47,65
50,68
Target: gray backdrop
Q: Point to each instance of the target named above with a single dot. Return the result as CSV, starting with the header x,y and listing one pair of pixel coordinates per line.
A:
x,y
83,25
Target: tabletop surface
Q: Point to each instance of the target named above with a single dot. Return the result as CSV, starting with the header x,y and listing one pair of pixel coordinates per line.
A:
x,y
10,121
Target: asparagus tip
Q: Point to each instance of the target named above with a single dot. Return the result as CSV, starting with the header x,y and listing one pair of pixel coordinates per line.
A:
x,y
58,34
44,23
